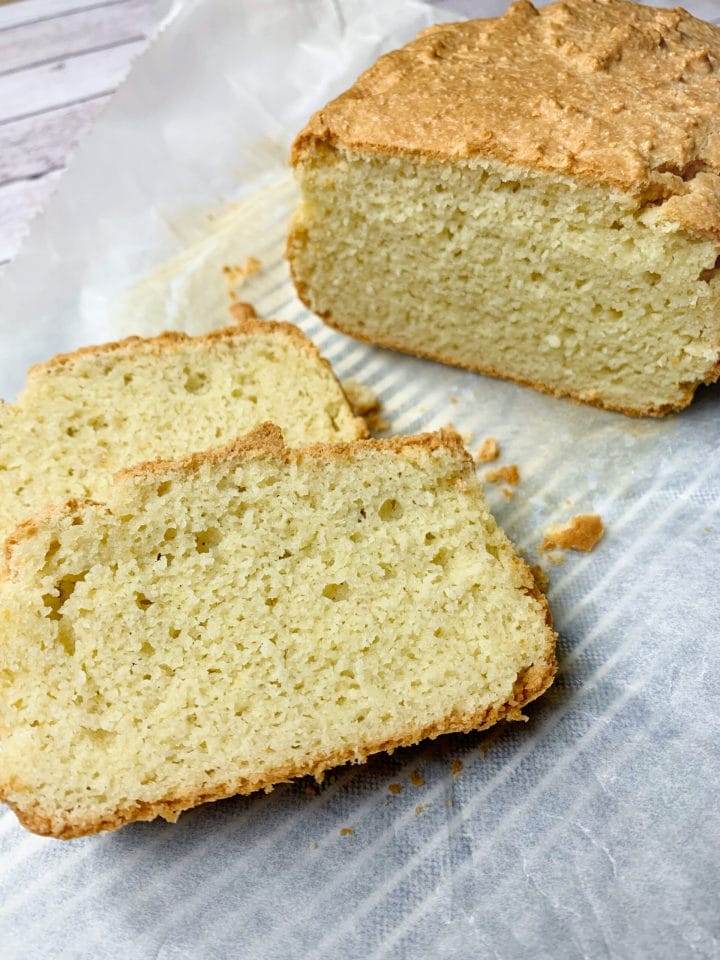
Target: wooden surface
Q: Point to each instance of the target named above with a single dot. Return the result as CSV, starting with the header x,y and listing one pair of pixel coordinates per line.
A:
x,y
60,60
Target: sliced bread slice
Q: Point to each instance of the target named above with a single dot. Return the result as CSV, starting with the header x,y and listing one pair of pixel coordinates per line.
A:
x,y
86,414
243,616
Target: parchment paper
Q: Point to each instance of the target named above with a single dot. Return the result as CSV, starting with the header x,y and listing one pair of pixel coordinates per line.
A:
x,y
593,830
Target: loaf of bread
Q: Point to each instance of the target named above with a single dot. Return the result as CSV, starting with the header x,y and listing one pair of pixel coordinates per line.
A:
x,y
535,197
236,618
86,414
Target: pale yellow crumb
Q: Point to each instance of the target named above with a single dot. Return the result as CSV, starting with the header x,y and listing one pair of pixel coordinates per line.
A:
x,y
456,768
396,788
346,832
419,808
581,532
489,451
416,779
453,400
509,474
313,845
508,492
449,802
361,397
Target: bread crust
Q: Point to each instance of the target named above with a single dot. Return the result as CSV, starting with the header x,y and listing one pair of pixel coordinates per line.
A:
x,y
530,684
603,91
303,292
267,441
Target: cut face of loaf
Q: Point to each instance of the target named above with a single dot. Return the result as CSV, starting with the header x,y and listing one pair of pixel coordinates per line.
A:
x,y
237,618
535,197
84,415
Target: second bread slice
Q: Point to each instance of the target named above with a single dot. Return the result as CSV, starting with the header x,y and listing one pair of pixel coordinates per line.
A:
x,y
86,414
237,618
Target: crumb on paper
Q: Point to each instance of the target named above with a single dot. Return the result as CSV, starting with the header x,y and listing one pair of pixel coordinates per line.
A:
x,y
242,311
453,400
489,451
508,492
313,845
346,832
540,577
310,790
449,802
236,275
396,788
580,532
416,779
466,437
419,809
509,474
361,398
456,768
556,558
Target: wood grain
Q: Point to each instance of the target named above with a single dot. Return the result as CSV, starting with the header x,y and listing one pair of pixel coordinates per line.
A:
x,y
60,38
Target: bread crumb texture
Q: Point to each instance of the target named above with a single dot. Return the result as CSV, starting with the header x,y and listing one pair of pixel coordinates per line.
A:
x,y
581,532
231,620
509,474
489,451
535,197
84,415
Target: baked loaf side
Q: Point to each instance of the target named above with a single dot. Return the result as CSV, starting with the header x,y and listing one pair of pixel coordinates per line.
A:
x,y
85,414
535,197
233,619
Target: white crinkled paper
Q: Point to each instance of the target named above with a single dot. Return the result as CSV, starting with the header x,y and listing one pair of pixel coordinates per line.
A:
x,y
593,830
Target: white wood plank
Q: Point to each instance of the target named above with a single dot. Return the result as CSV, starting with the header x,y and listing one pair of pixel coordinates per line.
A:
x,y
19,203
68,81
29,11
46,40
35,145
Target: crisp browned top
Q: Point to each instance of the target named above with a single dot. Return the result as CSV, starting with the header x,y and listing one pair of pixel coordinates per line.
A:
x,y
607,90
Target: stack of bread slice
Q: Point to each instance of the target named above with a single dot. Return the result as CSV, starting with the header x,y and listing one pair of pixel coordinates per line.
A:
x,y
212,582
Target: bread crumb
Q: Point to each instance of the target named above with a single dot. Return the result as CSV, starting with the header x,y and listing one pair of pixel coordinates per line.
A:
x,y
456,768
242,311
449,802
489,451
466,437
556,558
310,790
419,808
365,404
251,266
346,832
509,474
396,788
416,779
540,577
580,532
360,397
313,845
508,492
453,400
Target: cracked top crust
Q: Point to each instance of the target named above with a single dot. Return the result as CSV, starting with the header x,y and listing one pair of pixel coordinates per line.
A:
x,y
603,90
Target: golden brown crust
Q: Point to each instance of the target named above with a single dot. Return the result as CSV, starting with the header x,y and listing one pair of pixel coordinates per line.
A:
x,y
530,684
606,91
388,343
